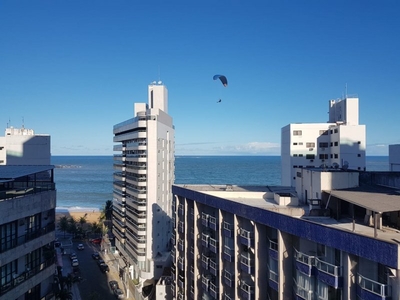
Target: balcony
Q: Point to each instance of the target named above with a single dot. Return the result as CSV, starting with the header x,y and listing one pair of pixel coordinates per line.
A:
x,y
228,229
181,245
192,292
181,296
228,253
228,297
204,219
213,266
273,249
246,237
329,273
229,278
181,210
173,238
192,233
191,252
173,274
181,264
192,213
213,290
247,263
205,239
370,289
273,278
192,271
246,290
304,262
181,281
302,292
213,223
181,227
205,260
205,282
213,245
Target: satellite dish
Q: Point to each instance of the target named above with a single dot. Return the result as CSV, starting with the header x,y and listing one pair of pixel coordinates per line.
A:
x,y
335,165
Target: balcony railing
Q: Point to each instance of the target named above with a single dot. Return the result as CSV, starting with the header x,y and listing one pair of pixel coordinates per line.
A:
x,y
375,287
228,228
304,258
328,268
22,239
273,245
304,293
29,188
7,286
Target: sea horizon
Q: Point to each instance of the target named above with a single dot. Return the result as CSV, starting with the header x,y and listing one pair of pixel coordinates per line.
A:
x,y
85,182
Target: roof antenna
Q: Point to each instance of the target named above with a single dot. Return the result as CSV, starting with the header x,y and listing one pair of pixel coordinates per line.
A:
x,y
345,91
23,122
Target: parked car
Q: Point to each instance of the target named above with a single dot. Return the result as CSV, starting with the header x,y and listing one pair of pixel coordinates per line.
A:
x,y
113,284
73,256
80,247
96,241
104,268
100,261
119,293
75,263
96,255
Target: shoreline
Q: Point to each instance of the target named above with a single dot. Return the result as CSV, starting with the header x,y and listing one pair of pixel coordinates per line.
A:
x,y
91,215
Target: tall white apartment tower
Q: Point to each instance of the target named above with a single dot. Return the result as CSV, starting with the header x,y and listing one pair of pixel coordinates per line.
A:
x,y
143,178
339,143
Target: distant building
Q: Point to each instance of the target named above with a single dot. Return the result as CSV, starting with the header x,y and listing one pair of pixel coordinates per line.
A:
x,y
340,143
272,242
21,146
394,157
144,174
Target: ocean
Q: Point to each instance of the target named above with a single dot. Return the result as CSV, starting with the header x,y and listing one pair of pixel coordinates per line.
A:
x,y
85,182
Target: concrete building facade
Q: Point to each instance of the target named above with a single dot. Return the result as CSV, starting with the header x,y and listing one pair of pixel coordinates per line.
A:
x,y
339,143
27,232
234,242
21,146
144,174
394,157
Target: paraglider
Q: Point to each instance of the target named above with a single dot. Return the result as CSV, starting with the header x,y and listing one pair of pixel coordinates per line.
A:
x,y
222,78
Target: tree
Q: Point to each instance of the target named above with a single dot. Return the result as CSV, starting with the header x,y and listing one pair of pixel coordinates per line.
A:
x,y
65,294
63,224
108,209
72,226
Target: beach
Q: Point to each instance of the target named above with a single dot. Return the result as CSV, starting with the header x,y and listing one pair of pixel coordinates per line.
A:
x,y
90,215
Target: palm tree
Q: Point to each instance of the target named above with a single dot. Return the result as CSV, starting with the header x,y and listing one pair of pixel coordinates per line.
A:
x,y
65,294
108,209
63,224
72,226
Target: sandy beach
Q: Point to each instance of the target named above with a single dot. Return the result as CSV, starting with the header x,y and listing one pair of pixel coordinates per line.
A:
x,y
91,215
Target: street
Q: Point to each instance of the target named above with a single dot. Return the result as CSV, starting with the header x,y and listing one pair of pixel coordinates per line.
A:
x,y
94,284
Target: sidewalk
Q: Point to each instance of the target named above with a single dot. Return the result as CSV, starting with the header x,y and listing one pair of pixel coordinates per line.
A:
x,y
67,269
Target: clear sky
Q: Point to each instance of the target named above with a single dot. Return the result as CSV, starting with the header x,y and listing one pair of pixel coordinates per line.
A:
x,y
73,69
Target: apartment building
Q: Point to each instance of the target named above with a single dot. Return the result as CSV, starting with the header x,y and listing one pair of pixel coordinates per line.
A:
x,y
21,146
236,242
144,174
394,157
27,232
339,143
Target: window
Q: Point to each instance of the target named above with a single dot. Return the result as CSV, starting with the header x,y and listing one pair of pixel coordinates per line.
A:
x,y
310,156
310,145
297,132
294,144
359,155
336,156
323,156
336,143
323,145
294,154
8,236
301,143
323,132
335,131
301,155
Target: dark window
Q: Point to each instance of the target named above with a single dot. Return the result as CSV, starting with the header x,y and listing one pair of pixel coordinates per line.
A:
x,y
310,156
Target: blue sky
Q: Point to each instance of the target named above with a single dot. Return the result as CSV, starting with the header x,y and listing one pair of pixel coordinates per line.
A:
x,y
73,69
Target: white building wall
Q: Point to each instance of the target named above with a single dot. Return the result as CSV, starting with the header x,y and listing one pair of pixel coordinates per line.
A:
x,y
340,140
21,146
394,157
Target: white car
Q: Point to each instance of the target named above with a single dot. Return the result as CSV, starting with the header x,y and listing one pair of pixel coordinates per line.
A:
x,y
80,247
75,263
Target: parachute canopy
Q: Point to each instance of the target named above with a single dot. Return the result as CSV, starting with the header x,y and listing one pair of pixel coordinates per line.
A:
x,y
222,78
